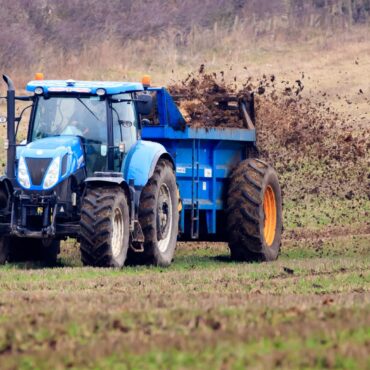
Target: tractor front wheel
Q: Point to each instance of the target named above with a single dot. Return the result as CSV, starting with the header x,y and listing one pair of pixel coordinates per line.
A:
x,y
105,229
254,212
159,216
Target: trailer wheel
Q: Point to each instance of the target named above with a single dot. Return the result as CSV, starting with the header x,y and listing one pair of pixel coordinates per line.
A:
x,y
105,230
28,249
159,216
254,212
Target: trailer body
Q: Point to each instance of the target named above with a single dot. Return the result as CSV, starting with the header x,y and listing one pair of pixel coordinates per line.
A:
x,y
204,158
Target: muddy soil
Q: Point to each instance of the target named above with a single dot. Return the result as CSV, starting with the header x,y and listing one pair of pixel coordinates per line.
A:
x,y
315,150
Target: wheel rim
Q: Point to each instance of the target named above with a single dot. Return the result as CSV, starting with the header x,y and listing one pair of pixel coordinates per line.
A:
x,y
164,214
118,233
269,207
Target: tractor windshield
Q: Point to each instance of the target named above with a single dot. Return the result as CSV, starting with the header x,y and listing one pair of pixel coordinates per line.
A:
x,y
80,116
85,117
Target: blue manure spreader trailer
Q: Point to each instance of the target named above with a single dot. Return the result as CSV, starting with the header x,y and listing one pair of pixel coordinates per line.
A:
x,y
115,166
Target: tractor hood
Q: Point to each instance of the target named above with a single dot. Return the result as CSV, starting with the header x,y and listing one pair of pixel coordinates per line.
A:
x,y
45,163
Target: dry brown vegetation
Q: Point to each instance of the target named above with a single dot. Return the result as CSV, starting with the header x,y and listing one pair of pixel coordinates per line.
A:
x,y
121,39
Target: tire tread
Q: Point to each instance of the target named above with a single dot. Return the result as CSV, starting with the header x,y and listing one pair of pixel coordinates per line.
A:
x,y
243,206
95,245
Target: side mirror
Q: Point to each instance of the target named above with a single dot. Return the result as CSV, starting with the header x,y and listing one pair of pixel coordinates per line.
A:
x,y
145,122
3,119
144,104
125,123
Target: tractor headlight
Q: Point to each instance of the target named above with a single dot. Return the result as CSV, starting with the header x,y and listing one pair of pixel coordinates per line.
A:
x,y
52,175
23,176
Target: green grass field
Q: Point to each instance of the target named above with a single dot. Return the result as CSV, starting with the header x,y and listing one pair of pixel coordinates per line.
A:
x,y
310,309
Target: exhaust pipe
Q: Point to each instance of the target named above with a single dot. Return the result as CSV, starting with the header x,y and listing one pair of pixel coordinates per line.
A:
x,y
11,150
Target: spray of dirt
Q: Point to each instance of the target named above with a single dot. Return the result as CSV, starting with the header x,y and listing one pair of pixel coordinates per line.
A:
x,y
314,149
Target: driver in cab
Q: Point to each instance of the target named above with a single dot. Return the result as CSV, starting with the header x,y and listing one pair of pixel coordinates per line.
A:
x,y
87,120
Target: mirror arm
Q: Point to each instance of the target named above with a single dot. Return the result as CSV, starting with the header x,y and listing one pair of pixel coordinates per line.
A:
x,y
24,98
21,115
19,118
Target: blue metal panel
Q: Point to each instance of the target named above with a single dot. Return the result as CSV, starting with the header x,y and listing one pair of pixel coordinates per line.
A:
x,y
215,163
141,160
165,132
89,87
216,159
168,112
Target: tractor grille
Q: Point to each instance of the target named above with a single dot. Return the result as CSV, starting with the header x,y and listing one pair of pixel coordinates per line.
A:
x,y
37,168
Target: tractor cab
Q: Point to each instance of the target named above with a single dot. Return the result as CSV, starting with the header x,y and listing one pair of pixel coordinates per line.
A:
x,y
104,116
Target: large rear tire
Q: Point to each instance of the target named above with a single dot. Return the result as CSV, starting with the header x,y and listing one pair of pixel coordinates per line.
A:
x,y
159,216
105,224
254,212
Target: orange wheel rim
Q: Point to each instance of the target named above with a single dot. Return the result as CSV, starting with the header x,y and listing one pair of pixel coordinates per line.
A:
x,y
269,208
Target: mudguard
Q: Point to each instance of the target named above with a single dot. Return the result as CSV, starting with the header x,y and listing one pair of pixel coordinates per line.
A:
x,y
141,160
107,177
110,178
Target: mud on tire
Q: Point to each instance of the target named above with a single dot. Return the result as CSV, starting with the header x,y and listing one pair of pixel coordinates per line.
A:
x,y
254,212
159,216
104,227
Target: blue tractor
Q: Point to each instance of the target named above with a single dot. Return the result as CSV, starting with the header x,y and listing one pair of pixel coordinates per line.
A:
x,y
114,165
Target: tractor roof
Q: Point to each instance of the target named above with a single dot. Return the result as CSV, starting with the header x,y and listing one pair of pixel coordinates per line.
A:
x,y
88,87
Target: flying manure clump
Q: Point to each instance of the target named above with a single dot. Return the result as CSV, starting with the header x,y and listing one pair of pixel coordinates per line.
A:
x,y
315,150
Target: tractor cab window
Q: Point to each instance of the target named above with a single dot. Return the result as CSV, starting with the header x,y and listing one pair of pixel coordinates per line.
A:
x,y
83,116
124,127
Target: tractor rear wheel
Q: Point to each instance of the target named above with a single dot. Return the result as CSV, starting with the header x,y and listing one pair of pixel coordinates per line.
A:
x,y
159,216
254,212
105,224
29,249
